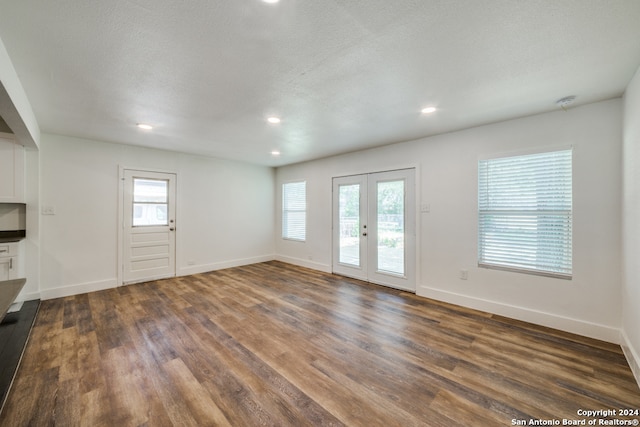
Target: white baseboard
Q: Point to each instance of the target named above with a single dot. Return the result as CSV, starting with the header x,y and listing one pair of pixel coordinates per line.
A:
x,y
633,357
82,288
580,327
203,268
29,296
304,263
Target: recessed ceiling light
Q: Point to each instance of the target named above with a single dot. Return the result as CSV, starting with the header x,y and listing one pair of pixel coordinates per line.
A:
x,y
428,110
144,126
273,120
271,1
275,153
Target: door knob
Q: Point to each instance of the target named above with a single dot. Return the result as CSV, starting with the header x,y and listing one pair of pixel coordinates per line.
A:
x,y
171,229
364,234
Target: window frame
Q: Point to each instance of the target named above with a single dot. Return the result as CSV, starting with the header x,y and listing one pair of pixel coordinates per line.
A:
x,y
286,211
564,238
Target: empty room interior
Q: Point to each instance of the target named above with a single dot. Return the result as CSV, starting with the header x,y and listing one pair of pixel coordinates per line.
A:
x,y
290,212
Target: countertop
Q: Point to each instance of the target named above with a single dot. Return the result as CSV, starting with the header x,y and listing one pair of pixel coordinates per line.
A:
x,y
12,236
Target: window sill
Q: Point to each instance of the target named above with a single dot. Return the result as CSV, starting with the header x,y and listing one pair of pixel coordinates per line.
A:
x,y
527,271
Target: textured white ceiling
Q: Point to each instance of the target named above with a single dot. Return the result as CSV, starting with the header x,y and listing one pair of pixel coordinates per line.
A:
x,y
342,74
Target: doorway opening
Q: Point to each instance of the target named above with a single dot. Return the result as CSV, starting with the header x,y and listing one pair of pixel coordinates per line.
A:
x,y
148,220
374,228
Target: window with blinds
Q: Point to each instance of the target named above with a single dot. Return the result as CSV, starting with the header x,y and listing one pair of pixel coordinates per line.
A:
x,y
294,210
525,213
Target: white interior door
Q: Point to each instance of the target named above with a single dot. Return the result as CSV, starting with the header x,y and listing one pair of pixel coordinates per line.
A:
x,y
374,228
149,237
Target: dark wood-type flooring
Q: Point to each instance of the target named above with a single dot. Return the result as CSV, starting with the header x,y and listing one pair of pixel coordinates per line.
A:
x,y
273,344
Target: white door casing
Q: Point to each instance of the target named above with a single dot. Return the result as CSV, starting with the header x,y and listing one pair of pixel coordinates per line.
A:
x,y
149,226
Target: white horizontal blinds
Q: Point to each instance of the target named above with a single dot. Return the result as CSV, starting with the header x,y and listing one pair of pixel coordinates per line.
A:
x,y
294,210
525,209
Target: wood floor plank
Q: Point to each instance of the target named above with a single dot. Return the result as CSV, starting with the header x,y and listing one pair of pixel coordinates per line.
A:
x,y
279,345
203,409
94,411
70,402
461,411
236,389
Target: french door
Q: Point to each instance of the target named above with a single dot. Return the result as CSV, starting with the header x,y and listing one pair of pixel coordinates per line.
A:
x,y
374,228
149,239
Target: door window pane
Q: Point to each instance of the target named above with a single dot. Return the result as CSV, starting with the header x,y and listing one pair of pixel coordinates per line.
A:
x,y
150,202
349,222
390,225
150,190
149,214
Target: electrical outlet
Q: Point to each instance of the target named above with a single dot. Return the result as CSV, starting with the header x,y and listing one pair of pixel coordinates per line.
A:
x,y
48,210
464,274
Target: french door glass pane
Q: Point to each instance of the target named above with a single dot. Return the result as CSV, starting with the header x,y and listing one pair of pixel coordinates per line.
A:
x,y
390,226
349,219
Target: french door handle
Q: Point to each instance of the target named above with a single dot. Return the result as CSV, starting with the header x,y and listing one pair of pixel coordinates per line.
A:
x,y
171,229
364,234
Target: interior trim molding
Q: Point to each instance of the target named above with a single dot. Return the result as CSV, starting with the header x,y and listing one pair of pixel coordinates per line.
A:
x,y
203,268
633,357
567,324
325,268
81,288
29,296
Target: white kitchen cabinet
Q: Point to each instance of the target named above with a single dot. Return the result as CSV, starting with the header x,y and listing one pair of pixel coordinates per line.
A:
x,y
8,268
11,171
8,261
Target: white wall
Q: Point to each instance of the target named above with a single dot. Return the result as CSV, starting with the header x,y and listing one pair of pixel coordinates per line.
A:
x,y
447,180
631,226
31,245
225,211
